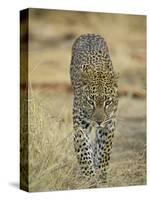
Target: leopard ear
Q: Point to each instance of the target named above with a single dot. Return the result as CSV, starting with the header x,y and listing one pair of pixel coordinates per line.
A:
x,y
83,67
116,75
83,71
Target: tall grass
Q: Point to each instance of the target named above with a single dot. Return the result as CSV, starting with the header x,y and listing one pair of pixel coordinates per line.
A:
x,y
52,161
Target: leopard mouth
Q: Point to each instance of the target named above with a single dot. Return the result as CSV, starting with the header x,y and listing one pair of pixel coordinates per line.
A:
x,y
103,123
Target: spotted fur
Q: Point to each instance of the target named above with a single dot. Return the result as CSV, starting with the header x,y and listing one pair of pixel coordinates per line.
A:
x,y
95,86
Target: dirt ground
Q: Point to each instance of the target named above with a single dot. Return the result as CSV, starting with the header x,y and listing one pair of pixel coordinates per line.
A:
x,y
52,161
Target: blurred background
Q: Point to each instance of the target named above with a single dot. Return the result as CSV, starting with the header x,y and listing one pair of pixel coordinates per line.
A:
x,y
51,35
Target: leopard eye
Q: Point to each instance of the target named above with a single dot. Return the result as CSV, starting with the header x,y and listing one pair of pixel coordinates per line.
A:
x,y
83,67
108,103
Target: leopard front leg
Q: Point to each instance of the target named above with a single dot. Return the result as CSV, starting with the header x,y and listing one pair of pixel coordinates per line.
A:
x,y
103,146
82,141
84,153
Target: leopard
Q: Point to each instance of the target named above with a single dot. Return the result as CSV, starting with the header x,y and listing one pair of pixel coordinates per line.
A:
x,y
95,103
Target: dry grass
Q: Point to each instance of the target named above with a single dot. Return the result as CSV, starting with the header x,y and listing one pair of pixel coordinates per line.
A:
x,y
52,161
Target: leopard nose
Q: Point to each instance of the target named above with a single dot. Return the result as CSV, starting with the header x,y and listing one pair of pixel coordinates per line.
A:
x,y
99,122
